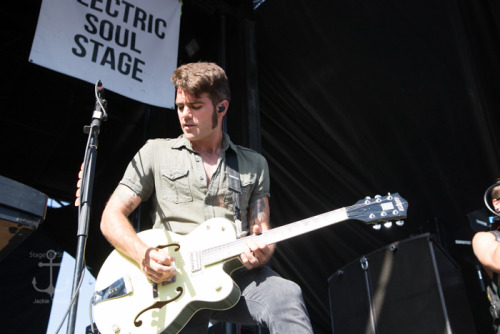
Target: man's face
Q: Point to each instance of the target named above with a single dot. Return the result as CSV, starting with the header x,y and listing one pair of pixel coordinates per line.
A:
x,y
496,204
197,115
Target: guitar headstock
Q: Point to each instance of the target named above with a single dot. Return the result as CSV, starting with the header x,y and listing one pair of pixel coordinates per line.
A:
x,y
387,209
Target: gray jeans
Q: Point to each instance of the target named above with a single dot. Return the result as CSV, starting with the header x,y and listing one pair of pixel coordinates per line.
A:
x,y
267,299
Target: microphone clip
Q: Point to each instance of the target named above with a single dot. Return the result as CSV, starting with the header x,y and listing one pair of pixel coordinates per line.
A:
x,y
99,113
100,102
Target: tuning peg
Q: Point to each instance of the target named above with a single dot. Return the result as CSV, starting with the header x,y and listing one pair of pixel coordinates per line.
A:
x,y
368,197
377,227
377,196
400,222
389,196
388,224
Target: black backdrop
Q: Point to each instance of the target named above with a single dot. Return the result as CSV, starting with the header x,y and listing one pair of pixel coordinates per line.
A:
x,y
356,99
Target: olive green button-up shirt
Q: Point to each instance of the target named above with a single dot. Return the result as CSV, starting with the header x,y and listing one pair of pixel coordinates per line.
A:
x,y
171,174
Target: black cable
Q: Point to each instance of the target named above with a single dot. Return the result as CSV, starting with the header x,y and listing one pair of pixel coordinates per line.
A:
x,y
72,301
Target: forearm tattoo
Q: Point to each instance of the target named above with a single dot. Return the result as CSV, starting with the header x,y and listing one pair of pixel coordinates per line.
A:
x,y
258,211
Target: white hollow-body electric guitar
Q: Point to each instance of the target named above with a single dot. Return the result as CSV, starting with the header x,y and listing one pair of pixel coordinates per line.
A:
x,y
125,301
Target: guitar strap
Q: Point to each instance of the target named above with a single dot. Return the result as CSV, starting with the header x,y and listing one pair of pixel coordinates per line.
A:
x,y
234,185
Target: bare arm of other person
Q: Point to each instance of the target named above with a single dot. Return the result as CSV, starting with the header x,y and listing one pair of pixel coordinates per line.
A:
x,y
258,252
487,250
115,226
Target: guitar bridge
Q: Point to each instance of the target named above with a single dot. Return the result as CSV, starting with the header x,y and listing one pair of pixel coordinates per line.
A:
x,y
195,261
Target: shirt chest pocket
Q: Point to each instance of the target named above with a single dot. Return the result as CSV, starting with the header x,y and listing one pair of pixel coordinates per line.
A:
x,y
175,185
247,183
247,186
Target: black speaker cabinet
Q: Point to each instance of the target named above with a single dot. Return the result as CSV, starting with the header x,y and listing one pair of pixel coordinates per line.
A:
x,y
411,286
22,209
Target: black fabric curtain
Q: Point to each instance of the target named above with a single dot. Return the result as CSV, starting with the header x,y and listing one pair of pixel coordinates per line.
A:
x,y
363,98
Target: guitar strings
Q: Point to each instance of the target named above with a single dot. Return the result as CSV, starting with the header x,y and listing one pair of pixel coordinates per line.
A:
x,y
219,253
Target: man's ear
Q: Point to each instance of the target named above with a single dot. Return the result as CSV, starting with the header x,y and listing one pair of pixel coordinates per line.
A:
x,y
222,106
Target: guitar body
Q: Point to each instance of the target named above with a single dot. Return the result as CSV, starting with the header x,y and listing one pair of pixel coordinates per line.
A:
x,y
142,310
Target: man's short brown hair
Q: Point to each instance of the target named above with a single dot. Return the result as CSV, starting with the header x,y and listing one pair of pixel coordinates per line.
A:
x,y
203,77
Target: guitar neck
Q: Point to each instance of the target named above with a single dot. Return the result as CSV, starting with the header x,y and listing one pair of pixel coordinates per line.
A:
x,y
235,248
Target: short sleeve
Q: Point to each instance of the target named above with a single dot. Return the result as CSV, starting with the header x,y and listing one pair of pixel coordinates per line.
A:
x,y
139,175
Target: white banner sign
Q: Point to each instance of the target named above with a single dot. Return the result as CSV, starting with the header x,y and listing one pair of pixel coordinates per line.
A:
x,y
131,46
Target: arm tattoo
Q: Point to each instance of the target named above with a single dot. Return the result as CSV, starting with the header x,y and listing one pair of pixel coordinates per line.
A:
x,y
258,211
126,197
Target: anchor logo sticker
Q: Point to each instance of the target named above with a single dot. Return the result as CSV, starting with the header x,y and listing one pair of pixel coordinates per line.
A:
x,y
51,255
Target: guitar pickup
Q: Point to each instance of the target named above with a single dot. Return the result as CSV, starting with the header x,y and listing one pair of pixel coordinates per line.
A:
x,y
119,288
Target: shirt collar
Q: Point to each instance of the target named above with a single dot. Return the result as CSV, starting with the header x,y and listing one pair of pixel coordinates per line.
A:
x,y
181,142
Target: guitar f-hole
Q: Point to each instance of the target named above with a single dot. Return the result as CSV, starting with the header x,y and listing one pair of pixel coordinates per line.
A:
x,y
157,305
170,245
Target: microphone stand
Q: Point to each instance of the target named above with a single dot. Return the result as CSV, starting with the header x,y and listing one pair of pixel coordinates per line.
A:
x,y
88,169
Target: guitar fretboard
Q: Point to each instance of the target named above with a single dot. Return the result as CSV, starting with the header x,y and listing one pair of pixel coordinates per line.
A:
x,y
232,249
